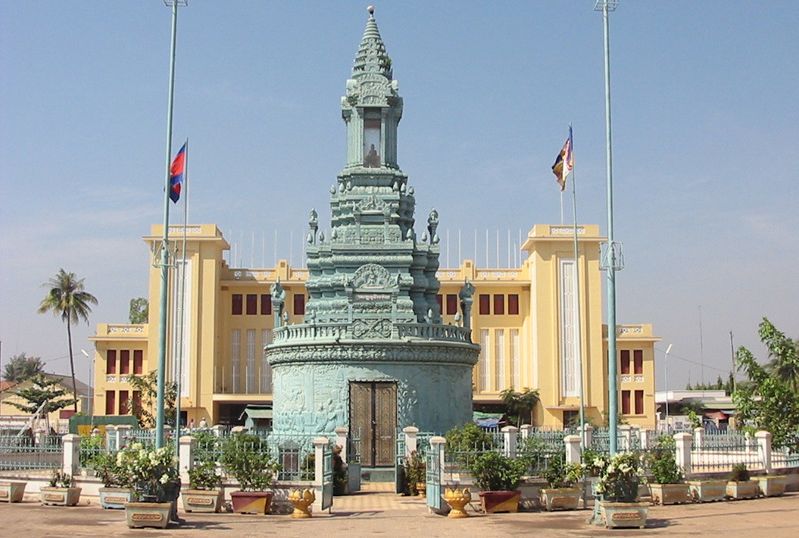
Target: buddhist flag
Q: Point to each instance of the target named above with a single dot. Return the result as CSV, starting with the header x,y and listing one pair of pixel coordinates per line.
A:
x,y
176,172
564,162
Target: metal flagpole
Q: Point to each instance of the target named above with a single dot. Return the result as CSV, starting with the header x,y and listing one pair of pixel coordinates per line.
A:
x,y
612,260
182,313
159,414
578,334
561,206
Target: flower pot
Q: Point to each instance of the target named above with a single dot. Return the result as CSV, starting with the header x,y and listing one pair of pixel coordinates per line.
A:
x,y
494,502
742,490
457,499
560,498
202,500
60,496
771,486
115,498
421,488
12,492
302,500
708,490
618,515
141,514
670,493
251,502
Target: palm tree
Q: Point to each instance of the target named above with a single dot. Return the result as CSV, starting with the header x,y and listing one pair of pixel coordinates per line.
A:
x,y
66,298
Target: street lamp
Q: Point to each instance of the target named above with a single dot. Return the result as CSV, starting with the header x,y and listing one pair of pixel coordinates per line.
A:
x,y
91,382
666,383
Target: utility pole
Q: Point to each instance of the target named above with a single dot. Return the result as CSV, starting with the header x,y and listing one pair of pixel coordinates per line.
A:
x,y
734,365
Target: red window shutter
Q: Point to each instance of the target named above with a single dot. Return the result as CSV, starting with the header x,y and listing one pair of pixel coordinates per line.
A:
x,y
625,402
639,402
138,360
499,305
110,402
123,402
236,304
111,361
485,304
625,361
124,362
266,304
252,304
452,304
513,304
638,361
299,305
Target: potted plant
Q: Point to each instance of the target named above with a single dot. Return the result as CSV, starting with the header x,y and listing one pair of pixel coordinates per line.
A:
x,y
739,486
415,474
667,484
247,459
61,490
771,485
152,472
498,476
561,492
205,489
707,490
116,490
617,489
12,492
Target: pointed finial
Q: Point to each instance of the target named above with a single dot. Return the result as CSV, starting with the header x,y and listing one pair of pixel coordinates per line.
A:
x,y
371,10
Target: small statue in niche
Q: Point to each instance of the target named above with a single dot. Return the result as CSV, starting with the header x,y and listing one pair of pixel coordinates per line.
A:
x,y
372,159
432,223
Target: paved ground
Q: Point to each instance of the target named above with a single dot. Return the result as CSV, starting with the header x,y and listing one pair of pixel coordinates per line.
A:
x,y
384,513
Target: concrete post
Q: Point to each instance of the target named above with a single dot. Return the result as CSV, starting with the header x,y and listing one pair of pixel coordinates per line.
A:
x,y
764,449
438,445
319,445
410,440
626,437
644,439
588,435
186,448
699,438
510,434
123,431
526,430
342,433
111,439
218,430
683,451
71,461
573,453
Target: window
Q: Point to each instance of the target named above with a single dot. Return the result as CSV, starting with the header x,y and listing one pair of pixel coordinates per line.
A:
x,y
252,304
499,304
440,301
639,402
515,359
250,360
371,139
638,361
452,304
625,361
483,359
235,357
123,402
266,370
110,402
111,362
571,419
137,361
485,304
299,305
625,402
124,362
513,304
499,359
266,304
236,304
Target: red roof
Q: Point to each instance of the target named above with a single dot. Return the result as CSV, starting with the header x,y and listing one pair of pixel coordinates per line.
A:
x,y
6,384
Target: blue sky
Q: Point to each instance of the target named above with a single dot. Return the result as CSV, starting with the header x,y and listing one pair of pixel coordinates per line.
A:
x,y
705,116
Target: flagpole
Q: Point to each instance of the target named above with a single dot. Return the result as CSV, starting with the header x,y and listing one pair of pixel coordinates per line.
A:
x,y
162,322
578,352
561,206
182,319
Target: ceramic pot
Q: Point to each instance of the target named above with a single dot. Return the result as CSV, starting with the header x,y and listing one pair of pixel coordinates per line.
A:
x,y
251,502
141,514
457,499
202,500
302,500
494,502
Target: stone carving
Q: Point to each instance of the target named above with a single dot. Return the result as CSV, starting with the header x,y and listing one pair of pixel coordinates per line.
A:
x,y
367,328
278,300
371,276
371,203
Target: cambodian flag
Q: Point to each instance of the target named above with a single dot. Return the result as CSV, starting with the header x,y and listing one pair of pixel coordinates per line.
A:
x,y
176,172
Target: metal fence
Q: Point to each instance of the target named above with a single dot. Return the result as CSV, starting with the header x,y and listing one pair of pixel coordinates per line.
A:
x,y
28,453
719,452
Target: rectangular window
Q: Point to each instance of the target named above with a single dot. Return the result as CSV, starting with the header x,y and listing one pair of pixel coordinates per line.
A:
x,y
250,360
235,357
515,359
137,401
110,402
123,402
111,362
638,361
138,360
266,370
266,304
499,359
483,360
371,140
499,305
625,361
236,304
252,304
625,402
452,304
639,402
299,305
124,362
485,304
440,301
513,304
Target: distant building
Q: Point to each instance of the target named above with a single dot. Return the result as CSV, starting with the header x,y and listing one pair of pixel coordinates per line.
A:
x,y
714,407
12,419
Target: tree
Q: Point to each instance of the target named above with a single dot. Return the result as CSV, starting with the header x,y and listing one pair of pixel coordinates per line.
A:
x,y
783,352
769,400
21,367
520,404
147,385
139,310
43,389
67,298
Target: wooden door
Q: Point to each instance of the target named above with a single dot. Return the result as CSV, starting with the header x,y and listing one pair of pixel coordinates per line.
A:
x,y
373,417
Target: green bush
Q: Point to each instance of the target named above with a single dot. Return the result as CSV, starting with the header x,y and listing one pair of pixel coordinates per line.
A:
x,y
560,474
107,469
662,463
415,472
493,471
247,459
204,476
739,473
468,438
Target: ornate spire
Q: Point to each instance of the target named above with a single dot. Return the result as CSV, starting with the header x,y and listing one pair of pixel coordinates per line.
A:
x,y
372,56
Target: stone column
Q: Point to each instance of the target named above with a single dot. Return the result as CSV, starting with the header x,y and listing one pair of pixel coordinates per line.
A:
x,y
699,438
526,430
341,440
764,449
644,439
509,434
71,461
410,439
320,445
573,452
683,451
186,449
588,435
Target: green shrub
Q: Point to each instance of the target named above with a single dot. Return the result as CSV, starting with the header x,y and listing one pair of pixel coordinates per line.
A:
x,y
415,472
739,473
247,459
493,471
468,438
662,463
560,474
204,476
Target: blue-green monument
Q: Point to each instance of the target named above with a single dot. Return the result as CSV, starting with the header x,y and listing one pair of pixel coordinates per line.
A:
x,y
372,353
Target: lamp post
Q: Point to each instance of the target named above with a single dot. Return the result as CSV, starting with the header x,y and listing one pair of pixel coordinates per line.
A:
x,y
666,384
91,382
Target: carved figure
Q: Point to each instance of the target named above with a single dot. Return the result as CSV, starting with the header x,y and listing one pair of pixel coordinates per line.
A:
x,y
372,159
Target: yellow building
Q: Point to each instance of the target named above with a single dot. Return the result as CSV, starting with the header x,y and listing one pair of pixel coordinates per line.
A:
x,y
524,318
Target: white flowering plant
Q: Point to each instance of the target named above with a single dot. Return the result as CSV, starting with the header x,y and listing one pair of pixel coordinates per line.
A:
x,y
151,472
619,476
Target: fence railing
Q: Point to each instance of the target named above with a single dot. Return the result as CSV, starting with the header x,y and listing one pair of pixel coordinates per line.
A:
x,y
24,452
